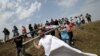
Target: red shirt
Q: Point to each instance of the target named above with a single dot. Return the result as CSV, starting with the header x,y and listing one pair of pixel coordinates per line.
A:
x,y
68,27
23,30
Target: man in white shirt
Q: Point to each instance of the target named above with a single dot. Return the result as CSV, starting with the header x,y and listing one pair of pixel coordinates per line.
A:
x,y
45,41
54,46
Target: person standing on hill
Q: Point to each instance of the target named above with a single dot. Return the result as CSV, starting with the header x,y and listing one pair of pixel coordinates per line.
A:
x,y
63,20
60,22
47,23
71,22
82,19
78,21
6,33
64,35
19,46
69,31
35,29
52,22
15,31
56,22
88,16
24,32
31,30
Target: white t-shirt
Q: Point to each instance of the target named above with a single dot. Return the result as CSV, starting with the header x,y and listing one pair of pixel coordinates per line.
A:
x,y
46,43
78,20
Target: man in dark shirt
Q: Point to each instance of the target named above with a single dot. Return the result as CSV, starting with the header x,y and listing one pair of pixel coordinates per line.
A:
x,y
31,30
6,33
47,23
88,16
35,29
19,47
56,22
52,22
15,31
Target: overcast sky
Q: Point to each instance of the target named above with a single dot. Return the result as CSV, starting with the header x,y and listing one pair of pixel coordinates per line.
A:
x,y
23,12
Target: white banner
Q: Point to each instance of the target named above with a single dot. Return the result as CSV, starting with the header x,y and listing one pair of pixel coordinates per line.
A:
x,y
60,48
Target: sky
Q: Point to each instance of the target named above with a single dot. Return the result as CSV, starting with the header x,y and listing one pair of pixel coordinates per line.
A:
x,y
24,12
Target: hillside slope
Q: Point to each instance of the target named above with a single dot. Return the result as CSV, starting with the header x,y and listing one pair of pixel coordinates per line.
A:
x,y
87,39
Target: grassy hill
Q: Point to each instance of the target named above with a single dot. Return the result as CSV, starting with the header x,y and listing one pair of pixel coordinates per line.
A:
x,y
87,39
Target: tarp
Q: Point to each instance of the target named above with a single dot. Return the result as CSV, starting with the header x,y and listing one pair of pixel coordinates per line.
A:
x,y
64,34
60,48
51,26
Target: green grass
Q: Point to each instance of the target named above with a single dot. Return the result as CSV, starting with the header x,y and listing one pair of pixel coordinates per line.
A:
x,y
87,40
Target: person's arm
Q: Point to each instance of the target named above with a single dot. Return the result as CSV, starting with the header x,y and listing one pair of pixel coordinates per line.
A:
x,y
61,30
38,46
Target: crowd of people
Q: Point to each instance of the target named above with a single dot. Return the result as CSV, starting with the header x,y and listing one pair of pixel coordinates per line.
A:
x,y
77,20
65,34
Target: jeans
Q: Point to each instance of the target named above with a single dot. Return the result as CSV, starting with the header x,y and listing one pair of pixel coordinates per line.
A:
x,y
20,50
6,38
70,37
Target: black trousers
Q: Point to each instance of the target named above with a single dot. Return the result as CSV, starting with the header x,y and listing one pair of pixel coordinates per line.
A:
x,y
70,34
53,33
89,19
